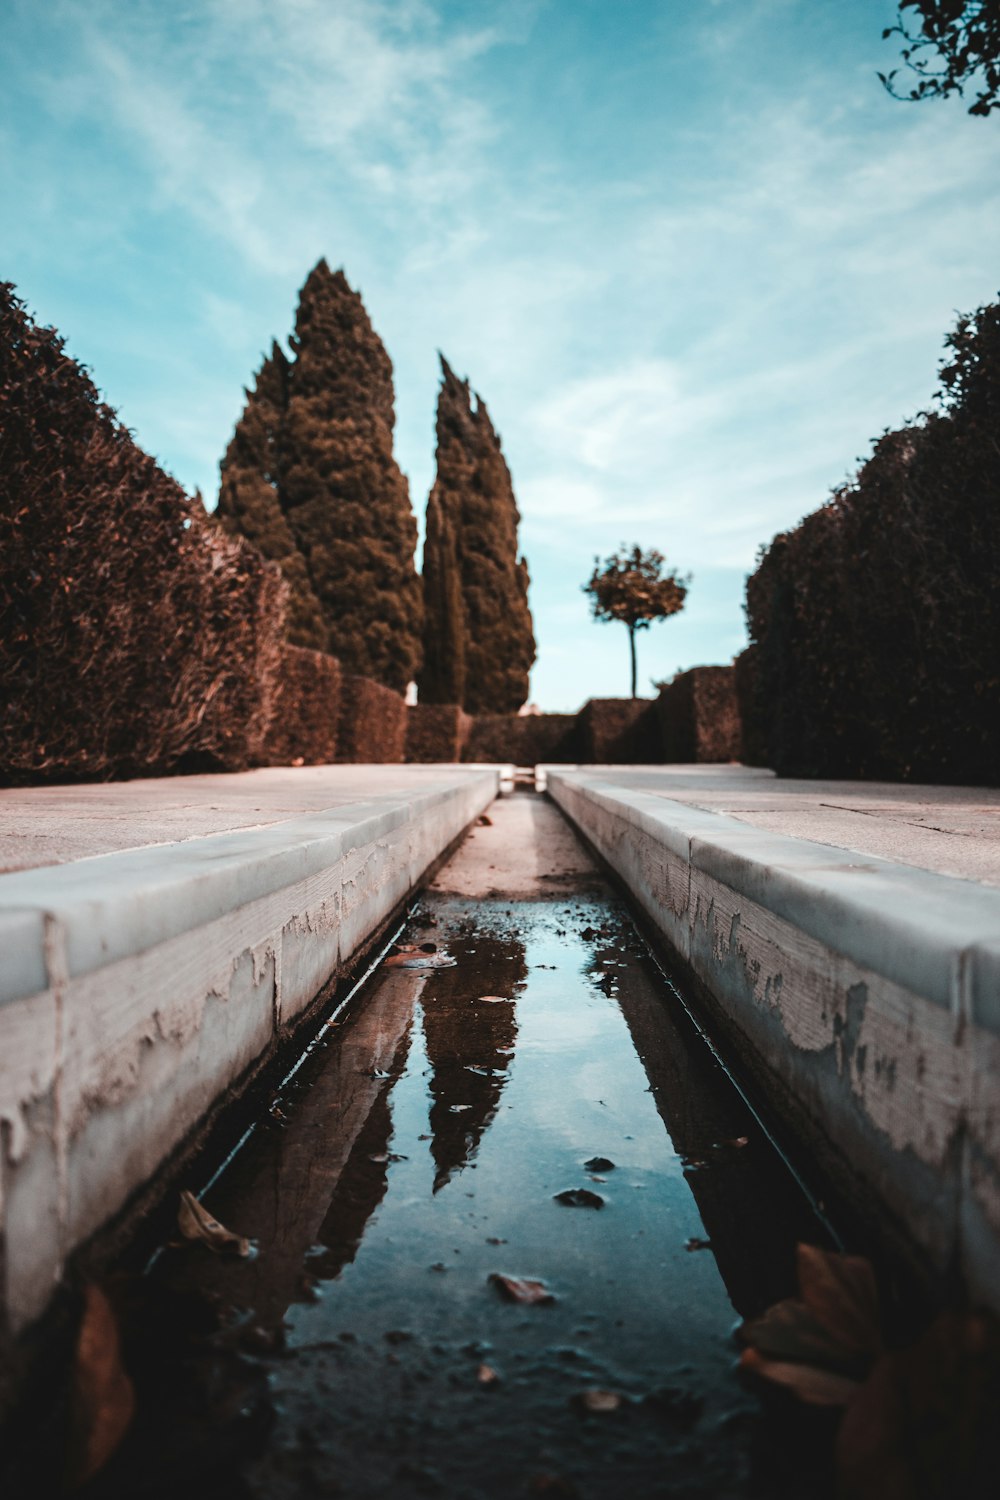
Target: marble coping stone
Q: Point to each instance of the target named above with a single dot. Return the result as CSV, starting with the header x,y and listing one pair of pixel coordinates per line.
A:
x,y
140,987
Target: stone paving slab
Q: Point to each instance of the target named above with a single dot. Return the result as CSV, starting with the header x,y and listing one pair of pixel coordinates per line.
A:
x,y
952,830
48,825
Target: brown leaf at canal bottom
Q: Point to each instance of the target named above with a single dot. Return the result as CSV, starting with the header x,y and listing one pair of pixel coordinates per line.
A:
x,y
521,1288
196,1223
417,960
103,1398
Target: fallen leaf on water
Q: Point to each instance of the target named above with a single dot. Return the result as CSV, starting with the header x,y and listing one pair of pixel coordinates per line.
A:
x,y
810,1383
521,1288
579,1198
599,1164
600,1402
196,1223
103,1400
487,1376
492,999
413,959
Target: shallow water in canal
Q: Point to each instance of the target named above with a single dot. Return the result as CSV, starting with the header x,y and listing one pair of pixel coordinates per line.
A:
x,y
366,1350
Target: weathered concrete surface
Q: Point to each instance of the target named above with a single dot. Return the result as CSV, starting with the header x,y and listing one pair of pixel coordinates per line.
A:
x,y
864,991
138,986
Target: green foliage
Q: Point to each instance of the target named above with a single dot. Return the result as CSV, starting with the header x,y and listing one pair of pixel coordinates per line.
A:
x,y
630,585
135,638
310,476
955,43
478,643
875,622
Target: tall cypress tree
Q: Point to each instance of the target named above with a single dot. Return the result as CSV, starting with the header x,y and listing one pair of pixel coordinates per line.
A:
x,y
346,501
478,639
310,476
250,500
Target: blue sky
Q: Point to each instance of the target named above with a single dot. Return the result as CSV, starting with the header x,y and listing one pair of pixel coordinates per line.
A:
x,y
691,254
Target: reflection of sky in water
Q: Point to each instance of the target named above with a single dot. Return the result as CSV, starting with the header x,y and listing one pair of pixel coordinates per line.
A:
x,y
575,1088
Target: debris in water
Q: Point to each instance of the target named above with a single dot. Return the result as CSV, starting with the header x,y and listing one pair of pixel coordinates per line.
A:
x,y
599,1164
417,960
103,1400
599,1402
196,1223
487,1377
694,1243
492,1000
428,947
579,1198
554,1486
521,1288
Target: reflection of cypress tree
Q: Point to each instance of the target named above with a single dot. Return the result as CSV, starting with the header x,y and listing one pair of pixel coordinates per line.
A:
x,y
478,638
469,1046
250,502
310,476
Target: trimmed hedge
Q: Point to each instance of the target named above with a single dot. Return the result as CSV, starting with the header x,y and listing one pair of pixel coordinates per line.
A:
x,y
524,739
698,716
876,621
617,731
436,732
136,639
753,725
306,721
372,722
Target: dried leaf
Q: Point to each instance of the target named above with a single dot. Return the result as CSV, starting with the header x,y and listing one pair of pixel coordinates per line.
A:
x,y
809,1383
521,1288
484,820
196,1223
840,1291
579,1198
789,1330
600,1402
414,959
599,1164
487,1376
492,1000
103,1402
925,1421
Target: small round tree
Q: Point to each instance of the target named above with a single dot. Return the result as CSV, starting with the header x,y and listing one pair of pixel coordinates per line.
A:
x,y
631,586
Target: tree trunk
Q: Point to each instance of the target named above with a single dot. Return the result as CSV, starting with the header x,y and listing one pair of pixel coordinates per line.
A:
x,y
631,647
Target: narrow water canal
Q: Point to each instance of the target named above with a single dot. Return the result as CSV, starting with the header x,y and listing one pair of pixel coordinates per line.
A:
x,y
420,1152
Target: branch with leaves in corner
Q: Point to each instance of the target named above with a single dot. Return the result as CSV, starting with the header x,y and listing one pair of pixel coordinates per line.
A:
x,y
631,586
949,44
